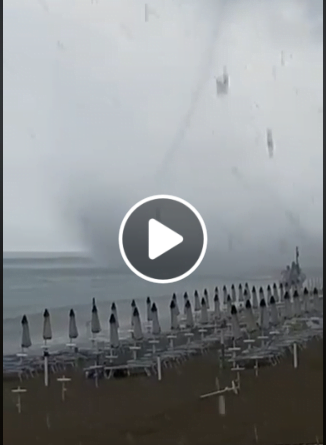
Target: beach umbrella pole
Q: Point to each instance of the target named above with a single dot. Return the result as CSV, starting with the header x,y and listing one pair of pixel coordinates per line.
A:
x,y
159,368
46,369
295,355
46,364
63,380
19,391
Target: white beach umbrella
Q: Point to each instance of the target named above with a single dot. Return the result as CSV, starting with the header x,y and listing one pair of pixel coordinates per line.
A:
x,y
196,302
236,331
156,328
114,311
203,312
241,299
206,296
189,316
274,313
95,321
251,324
254,298
248,293
217,307
174,298
228,306
137,329
114,334
296,304
149,309
185,299
316,301
306,305
246,296
286,288
174,316
47,335
225,295
73,331
261,294
281,292
269,292
287,306
233,294
263,315
47,330
275,293
26,337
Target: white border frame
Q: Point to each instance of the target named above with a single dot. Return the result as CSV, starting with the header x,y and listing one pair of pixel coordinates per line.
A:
x,y
155,280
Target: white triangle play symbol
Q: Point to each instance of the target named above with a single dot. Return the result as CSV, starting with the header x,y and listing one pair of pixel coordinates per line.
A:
x,y
161,239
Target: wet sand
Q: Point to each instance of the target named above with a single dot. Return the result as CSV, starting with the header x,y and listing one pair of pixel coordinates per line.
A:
x,y
280,406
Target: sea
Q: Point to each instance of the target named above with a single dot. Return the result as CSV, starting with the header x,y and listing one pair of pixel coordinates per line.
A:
x,y
60,282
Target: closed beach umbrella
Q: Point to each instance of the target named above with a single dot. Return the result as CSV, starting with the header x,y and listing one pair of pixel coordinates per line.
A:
x,y
274,313
217,307
240,293
269,293
47,335
225,295
275,293
174,316
47,330
233,294
228,306
26,337
95,321
114,334
261,294
73,331
196,302
315,296
156,328
185,299
137,329
254,298
281,292
189,315
264,315
246,296
306,300
206,296
133,305
296,304
236,331
114,311
149,309
287,306
251,324
204,312
174,298
248,292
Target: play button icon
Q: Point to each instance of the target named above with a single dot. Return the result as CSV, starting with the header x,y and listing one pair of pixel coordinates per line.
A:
x,y
163,239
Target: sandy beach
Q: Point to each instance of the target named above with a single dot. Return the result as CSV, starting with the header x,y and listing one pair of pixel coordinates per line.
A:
x,y
282,405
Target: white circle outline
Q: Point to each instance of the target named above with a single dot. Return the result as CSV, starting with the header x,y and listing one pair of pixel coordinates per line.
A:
x,y
153,198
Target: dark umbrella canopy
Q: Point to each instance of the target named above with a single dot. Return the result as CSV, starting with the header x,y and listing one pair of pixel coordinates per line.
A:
x,y
47,330
26,338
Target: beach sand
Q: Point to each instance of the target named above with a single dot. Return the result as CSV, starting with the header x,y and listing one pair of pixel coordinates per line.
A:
x,y
280,406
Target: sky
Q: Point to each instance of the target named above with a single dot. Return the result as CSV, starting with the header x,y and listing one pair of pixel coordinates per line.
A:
x,y
106,104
